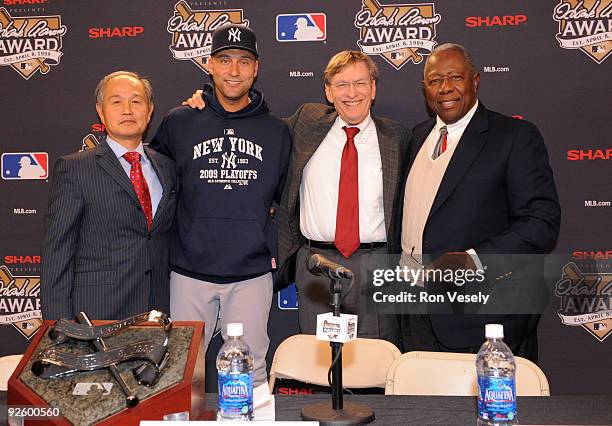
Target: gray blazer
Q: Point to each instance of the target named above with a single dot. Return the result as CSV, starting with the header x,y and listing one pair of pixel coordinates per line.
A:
x,y
309,126
97,254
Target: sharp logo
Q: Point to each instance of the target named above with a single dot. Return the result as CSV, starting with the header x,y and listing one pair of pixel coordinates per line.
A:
x,y
589,154
32,260
295,391
585,300
23,2
592,255
30,43
400,33
585,25
98,127
192,31
20,302
495,21
111,32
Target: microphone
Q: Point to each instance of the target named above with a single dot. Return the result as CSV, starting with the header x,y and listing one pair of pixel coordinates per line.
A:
x,y
320,265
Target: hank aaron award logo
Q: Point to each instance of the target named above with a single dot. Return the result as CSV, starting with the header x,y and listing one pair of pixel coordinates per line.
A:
x,y
89,142
585,25
192,31
93,139
399,32
20,302
30,43
586,300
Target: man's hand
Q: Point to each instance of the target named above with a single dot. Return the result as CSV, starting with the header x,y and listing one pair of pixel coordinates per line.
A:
x,y
453,260
195,101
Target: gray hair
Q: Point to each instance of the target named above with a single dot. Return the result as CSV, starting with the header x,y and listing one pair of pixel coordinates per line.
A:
x,y
145,82
457,48
345,58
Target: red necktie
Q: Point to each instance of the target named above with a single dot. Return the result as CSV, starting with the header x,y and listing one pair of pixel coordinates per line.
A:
x,y
347,215
140,185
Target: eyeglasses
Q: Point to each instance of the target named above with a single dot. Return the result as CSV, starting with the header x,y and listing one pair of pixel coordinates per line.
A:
x,y
343,86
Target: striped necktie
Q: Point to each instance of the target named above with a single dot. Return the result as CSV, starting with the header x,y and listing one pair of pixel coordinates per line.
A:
x,y
441,144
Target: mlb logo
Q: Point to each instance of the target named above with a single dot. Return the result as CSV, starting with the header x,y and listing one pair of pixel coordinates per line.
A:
x,y
287,298
301,27
25,165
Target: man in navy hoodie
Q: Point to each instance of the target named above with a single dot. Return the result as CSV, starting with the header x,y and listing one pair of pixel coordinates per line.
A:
x,y
231,160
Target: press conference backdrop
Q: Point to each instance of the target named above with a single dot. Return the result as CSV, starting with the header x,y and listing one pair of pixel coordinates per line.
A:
x,y
543,61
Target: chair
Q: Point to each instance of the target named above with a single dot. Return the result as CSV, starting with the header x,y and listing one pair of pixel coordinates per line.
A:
x,y
444,373
7,366
364,361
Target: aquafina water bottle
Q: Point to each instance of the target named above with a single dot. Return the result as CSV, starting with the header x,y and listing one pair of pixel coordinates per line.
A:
x,y
496,370
235,373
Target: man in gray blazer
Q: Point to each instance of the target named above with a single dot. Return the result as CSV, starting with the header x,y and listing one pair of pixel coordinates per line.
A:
x,y
335,205
316,196
107,229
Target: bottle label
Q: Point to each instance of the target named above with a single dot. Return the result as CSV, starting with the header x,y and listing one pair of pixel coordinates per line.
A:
x,y
235,393
496,398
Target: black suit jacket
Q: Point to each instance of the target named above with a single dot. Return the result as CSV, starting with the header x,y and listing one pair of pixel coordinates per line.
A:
x,y
309,126
98,255
498,196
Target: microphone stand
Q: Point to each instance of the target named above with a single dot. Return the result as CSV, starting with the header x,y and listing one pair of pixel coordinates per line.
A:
x,y
338,413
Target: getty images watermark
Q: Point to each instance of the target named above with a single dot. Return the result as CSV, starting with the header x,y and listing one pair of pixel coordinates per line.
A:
x,y
494,284
419,277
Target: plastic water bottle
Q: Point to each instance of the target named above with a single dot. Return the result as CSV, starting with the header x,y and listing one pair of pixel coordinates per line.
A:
x,y
496,380
235,373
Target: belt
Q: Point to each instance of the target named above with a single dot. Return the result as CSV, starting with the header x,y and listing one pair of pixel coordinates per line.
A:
x,y
331,246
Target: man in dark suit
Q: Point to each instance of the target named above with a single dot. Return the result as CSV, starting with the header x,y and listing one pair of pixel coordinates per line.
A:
x,y
107,230
335,204
477,183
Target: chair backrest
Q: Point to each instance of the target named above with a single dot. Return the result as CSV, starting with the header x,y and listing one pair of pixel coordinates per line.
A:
x,y
364,361
7,366
444,373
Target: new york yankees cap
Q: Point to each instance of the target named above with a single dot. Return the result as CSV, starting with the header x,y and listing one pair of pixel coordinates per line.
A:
x,y
234,36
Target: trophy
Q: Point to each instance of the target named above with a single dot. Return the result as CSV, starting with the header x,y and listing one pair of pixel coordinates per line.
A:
x,y
103,373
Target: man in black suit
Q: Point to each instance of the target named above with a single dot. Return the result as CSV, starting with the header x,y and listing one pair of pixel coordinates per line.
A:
x,y
477,183
107,229
315,214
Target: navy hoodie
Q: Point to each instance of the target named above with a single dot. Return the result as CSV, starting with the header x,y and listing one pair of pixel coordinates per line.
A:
x,y
231,166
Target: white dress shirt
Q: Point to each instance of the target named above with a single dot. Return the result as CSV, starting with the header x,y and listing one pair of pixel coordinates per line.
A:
x,y
155,188
321,177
